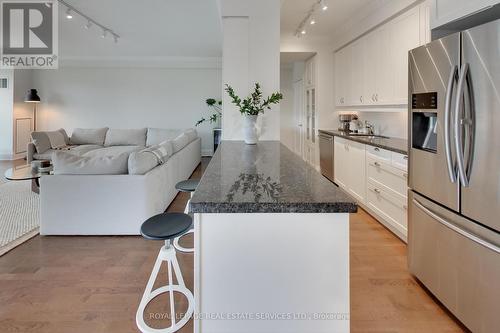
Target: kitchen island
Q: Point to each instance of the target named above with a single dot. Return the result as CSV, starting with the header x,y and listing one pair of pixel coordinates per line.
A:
x,y
271,244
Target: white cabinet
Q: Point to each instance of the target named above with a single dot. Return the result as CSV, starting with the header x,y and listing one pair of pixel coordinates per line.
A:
x,y
373,70
357,71
342,76
310,113
445,11
376,178
405,36
349,168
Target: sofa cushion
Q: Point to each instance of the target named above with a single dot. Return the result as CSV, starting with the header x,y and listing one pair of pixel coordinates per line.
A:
x,y
56,139
88,136
46,155
112,151
41,141
83,149
142,161
158,135
69,164
180,142
65,135
191,134
126,137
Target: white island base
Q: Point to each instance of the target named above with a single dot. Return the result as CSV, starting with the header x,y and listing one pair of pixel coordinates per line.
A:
x,y
271,272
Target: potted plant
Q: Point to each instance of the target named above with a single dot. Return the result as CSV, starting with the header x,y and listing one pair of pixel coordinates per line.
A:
x,y
215,117
251,107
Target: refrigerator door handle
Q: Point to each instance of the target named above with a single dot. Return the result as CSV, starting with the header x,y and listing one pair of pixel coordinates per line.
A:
x,y
453,227
459,147
447,116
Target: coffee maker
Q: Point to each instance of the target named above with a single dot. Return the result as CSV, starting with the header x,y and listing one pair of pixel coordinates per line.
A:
x,y
345,120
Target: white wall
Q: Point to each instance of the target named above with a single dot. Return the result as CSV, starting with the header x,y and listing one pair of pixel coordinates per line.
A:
x,y
287,117
251,37
6,116
127,98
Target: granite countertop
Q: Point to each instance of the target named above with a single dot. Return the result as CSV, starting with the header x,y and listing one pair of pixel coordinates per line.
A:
x,y
393,144
265,178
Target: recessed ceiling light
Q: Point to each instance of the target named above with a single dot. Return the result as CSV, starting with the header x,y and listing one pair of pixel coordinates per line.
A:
x,y
303,32
69,16
324,6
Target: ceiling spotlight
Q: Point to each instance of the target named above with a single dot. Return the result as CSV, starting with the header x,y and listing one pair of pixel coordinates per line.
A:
x,y
303,32
104,33
88,25
313,21
69,16
324,6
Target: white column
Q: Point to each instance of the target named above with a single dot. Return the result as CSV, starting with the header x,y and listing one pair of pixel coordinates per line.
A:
x,y
251,53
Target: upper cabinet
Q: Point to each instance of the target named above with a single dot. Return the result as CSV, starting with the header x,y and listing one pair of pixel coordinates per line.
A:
x,y
445,11
372,71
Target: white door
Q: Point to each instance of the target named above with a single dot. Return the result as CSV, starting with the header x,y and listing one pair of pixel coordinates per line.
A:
x,y
298,106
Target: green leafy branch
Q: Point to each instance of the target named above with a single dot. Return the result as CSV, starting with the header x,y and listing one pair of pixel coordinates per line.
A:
x,y
255,103
216,107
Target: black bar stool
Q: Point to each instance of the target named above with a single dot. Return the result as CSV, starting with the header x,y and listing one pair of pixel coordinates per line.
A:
x,y
166,227
190,186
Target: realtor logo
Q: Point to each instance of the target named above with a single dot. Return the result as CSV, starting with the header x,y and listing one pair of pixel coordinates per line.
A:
x,y
28,33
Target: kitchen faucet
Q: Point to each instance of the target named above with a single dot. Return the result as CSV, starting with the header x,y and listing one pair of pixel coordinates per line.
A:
x,y
369,128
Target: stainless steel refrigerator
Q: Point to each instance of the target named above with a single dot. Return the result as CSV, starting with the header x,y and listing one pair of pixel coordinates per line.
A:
x,y
454,173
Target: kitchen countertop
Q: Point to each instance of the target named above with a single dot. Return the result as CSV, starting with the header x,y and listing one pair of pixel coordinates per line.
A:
x,y
393,144
265,178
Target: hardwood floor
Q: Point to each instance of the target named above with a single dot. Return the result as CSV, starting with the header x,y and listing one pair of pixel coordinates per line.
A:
x,y
94,284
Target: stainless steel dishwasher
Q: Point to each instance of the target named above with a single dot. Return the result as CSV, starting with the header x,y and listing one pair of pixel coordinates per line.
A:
x,y
326,155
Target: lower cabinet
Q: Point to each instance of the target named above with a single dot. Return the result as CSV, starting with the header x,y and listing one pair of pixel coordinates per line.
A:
x,y
377,179
352,175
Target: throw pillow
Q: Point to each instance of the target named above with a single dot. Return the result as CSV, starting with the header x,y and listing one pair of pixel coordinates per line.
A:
x,y
180,142
65,135
191,134
126,137
69,164
158,135
147,159
56,139
41,141
82,136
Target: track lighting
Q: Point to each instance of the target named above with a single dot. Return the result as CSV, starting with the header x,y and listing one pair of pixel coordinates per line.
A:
x,y
72,11
313,21
310,16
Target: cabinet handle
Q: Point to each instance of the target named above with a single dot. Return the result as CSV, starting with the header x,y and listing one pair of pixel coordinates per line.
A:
x,y
376,97
361,99
405,175
376,149
377,164
405,157
376,190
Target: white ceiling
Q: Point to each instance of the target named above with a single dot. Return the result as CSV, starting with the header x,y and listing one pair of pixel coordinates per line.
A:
x,y
339,12
152,28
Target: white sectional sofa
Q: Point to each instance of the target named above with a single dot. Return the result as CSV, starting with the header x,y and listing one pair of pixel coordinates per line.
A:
x,y
114,204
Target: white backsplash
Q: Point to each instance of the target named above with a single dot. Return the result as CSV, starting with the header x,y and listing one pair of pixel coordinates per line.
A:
x,y
393,124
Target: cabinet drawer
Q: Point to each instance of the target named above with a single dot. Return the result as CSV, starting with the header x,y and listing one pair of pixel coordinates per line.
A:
x,y
385,175
382,154
392,208
399,161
